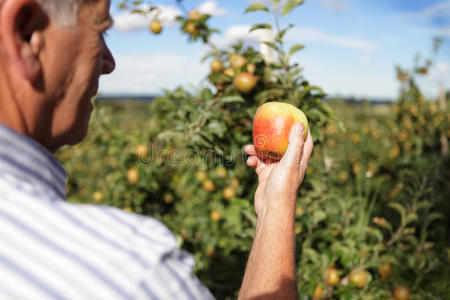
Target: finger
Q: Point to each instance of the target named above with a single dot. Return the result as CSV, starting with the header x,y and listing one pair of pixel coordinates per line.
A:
x,y
307,151
309,146
252,161
294,151
250,150
257,164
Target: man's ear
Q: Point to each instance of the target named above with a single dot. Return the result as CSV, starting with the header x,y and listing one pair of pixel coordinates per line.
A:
x,y
21,32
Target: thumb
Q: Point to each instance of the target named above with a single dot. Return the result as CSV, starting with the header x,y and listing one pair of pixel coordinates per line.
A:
x,y
294,152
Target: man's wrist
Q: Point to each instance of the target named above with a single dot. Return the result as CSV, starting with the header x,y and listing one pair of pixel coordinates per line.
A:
x,y
282,213
283,205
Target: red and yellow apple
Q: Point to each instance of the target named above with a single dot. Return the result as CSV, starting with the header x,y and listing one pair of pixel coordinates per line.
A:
x,y
98,196
141,150
237,61
271,126
215,216
251,68
133,176
191,28
359,278
216,66
194,15
318,292
331,277
385,270
401,293
229,72
245,82
208,185
155,26
228,193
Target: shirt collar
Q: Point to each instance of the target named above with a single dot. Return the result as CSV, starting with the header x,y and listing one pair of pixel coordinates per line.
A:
x,y
29,161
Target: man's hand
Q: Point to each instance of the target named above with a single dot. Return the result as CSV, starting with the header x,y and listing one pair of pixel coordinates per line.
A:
x,y
279,181
270,272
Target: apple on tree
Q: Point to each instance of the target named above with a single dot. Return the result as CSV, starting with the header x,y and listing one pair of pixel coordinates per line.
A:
x,y
251,68
237,61
216,66
191,28
245,82
155,27
229,72
194,15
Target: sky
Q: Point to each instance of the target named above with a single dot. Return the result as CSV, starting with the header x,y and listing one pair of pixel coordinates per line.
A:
x,y
352,46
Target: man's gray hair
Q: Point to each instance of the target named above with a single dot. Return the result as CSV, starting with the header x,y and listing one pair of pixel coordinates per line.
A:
x,y
62,12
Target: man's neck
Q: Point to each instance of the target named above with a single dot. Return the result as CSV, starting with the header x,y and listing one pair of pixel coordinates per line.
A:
x,y
13,117
10,114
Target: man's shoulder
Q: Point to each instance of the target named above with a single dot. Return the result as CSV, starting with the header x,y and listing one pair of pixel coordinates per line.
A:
x,y
127,227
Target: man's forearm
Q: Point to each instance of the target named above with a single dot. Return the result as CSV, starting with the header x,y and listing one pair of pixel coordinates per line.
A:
x,y
270,272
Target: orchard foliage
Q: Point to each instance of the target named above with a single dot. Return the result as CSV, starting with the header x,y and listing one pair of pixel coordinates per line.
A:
x,y
372,215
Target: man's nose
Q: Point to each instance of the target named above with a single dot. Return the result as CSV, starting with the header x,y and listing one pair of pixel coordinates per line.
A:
x,y
109,63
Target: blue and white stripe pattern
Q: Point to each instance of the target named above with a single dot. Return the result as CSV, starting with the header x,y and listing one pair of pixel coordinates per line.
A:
x,y
52,249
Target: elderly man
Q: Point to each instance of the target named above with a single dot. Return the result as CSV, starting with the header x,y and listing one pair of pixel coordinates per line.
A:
x,y
52,53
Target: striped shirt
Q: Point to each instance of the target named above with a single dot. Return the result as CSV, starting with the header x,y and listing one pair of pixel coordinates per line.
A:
x,y
52,249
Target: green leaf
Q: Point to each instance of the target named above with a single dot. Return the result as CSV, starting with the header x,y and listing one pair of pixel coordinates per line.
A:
x,y
312,255
279,36
208,55
409,230
137,11
411,217
256,7
289,6
386,225
240,202
271,45
232,99
399,208
375,233
424,205
207,94
269,95
295,48
434,216
318,216
260,26
250,216
216,128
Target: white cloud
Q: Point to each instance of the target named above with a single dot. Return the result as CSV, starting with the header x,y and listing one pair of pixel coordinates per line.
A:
x,y
335,5
364,60
302,34
347,84
437,11
314,35
128,21
255,38
150,73
241,32
443,32
440,9
440,72
211,7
